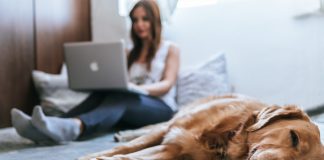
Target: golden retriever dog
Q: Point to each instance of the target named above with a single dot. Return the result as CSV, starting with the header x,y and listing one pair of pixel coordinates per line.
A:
x,y
230,127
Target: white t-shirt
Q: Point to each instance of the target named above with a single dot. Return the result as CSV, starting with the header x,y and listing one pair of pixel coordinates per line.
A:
x,y
138,73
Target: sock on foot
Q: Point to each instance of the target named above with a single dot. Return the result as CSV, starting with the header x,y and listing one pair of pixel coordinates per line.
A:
x,y
24,127
59,129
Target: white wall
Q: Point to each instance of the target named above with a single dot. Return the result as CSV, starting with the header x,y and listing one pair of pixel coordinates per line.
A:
x,y
272,55
106,24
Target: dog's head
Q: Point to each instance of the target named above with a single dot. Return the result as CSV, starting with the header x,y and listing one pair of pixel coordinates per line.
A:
x,y
283,133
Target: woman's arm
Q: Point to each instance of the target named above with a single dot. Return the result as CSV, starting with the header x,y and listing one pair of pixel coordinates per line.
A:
x,y
169,75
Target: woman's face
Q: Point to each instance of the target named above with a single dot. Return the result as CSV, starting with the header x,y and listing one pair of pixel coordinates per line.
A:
x,y
141,23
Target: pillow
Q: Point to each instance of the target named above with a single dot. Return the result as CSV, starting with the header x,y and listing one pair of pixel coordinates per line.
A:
x,y
56,98
208,79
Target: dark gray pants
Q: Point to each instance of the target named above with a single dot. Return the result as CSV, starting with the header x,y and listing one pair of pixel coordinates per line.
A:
x,y
102,110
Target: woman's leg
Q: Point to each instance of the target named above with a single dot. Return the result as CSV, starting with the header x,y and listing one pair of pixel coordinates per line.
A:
x,y
91,102
108,113
24,127
134,109
58,129
69,127
130,108
149,110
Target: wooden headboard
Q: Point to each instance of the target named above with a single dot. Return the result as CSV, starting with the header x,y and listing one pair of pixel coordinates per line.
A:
x,y
32,33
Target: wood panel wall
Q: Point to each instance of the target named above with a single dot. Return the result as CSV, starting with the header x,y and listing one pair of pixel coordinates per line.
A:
x,y
57,22
32,33
16,56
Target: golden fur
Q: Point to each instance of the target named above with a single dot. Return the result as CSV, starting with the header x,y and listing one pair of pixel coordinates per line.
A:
x,y
231,127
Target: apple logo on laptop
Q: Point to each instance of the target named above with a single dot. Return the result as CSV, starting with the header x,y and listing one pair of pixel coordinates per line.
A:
x,y
94,66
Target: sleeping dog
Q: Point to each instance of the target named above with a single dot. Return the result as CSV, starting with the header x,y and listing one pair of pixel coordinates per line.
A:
x,y
231,127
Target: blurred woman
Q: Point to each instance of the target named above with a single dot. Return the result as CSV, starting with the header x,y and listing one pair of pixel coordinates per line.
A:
x,y
153,65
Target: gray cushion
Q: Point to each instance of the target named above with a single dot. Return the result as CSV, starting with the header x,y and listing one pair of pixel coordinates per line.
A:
x,y
208,79
56,98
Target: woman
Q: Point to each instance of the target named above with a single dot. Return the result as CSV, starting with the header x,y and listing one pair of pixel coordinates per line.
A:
x,y
153,66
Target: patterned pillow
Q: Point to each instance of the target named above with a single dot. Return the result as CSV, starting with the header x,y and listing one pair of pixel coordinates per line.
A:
x,y
205,80
56,98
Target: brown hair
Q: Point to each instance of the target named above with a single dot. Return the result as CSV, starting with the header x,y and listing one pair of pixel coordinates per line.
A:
x,y
153,14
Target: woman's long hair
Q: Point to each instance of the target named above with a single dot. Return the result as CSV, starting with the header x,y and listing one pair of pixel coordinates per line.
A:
x,y
153,14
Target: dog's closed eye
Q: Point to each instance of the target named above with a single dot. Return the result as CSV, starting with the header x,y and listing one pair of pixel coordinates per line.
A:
x,y
294,138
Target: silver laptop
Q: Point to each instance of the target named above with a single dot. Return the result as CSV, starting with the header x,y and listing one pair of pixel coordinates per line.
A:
x,y
97,66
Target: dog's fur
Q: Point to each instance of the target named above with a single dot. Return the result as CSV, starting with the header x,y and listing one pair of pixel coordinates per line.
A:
x,y
231,127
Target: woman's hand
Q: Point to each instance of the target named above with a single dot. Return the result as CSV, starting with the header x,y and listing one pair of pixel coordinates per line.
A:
x,y
136,88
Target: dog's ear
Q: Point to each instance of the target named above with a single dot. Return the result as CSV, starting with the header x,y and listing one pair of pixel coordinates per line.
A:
x,y
219,135
272,113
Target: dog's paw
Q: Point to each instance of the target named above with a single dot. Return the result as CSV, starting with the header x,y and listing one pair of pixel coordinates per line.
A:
x,y
124,136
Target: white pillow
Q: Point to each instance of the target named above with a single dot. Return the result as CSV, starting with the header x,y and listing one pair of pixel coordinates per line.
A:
x,y
208,79
56,98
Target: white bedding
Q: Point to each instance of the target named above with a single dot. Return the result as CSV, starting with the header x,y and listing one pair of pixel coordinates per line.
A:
x,y
321,128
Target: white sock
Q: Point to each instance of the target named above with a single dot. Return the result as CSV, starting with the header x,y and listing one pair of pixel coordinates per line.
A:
x,y
59,129
22,123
